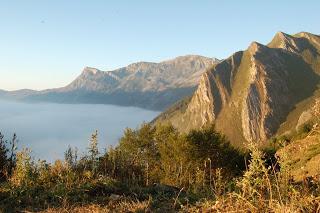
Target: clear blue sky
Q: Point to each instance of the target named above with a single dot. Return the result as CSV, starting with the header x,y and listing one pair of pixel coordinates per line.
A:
x,y
45,44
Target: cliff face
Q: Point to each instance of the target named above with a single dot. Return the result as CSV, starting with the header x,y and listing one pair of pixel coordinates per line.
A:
x,y
249,95
213,93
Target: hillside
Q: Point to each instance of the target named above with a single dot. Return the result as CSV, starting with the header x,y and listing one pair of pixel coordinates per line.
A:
x,y
143,84
302,154
256,93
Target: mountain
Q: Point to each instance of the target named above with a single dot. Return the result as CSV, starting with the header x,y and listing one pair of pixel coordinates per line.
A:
x,y
144,84
256,93
17,94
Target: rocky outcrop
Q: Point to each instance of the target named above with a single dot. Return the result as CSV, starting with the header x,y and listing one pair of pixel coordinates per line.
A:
x,y
213,93
264,106
201,107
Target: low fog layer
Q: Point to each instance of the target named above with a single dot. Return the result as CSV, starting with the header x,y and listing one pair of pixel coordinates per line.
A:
x,y
48,128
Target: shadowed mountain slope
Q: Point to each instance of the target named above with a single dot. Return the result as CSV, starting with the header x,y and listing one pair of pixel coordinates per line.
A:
x,y
250,95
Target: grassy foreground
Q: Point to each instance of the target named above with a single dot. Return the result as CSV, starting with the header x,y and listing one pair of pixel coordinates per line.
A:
x,y
158,169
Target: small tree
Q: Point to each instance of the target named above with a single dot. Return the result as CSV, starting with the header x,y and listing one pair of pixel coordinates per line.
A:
x,y
13,149
71,156
7,156
93,150
4,161
24,169
176,165
140,150
256,184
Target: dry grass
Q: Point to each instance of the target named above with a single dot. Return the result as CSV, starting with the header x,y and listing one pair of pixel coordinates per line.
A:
x,y
116,206
262,189
303,155
234,204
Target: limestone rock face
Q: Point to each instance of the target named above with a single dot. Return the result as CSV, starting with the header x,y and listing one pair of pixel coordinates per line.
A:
x,y
267,96
213,93
201,107
249,95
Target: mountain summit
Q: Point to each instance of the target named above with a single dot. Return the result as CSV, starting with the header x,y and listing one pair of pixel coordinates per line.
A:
x,y
255,93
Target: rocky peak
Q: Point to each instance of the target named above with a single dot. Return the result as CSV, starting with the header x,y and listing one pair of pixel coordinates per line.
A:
x,y
315,39
307,35
256,47
296,43
285,41
282,35
90,71
191,60
304,34
140,66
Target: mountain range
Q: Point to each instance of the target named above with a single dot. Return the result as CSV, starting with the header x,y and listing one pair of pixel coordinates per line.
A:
x,y
255,94
148,85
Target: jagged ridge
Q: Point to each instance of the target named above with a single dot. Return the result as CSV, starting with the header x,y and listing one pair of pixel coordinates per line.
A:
x,y
250,94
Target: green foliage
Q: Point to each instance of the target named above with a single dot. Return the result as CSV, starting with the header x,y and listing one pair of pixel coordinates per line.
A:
x,y
7,156
177,108
24,170
4,160
139,149
161,154
175,160
306,128
209,144
255,182
159,166
93,150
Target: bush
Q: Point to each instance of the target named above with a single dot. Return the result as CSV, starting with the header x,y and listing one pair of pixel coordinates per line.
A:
x,y
24,171
7,156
